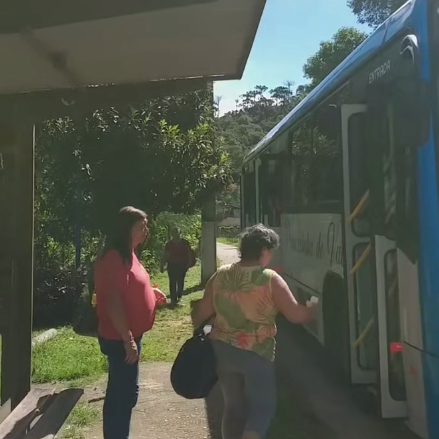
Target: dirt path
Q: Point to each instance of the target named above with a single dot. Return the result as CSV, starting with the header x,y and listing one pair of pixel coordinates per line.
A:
x,y
227,254
160,413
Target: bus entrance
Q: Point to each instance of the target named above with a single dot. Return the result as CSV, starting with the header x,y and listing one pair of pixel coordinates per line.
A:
x,y
376,357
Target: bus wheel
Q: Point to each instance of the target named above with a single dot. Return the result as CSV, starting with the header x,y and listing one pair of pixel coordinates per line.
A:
x,y
336,324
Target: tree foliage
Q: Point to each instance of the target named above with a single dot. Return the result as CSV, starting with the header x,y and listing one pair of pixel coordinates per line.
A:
x,y
159,156
331,53
374,12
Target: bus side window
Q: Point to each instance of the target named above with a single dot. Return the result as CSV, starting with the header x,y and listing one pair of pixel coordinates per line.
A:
x,y
358,171
302,149
270,189
249,198
288,180
407,200
327,166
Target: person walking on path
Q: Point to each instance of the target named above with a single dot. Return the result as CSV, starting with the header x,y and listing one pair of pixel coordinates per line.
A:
x,y
244,299
177,256
126,305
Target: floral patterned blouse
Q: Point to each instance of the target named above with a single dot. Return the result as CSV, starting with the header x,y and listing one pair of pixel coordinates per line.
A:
x,y
245,309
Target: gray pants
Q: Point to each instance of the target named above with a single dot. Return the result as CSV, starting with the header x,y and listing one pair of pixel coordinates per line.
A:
x,y
249,389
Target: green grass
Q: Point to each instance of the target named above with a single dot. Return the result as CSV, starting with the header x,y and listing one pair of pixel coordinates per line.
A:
x,y
80,418
172,326
77,360
229,241
67,357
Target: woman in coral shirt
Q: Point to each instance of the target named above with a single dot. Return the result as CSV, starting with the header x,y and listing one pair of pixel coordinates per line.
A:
x,y
126,305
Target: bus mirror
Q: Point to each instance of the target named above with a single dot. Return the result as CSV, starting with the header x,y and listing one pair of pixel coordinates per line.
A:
x,y
409,49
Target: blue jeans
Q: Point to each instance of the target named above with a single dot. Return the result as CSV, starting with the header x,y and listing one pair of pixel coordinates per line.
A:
x,y
122,389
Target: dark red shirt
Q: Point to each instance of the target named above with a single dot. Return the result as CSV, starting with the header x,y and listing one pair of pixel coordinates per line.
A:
x,y
134,286
178,252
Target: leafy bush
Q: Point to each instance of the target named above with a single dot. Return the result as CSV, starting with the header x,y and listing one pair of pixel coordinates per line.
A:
x,y
57,295
58,285
60,290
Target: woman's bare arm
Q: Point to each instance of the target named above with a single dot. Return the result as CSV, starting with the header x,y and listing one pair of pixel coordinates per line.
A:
x,y
203,309
287,304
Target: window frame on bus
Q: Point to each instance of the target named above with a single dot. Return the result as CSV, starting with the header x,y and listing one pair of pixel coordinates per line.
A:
x,y
316,204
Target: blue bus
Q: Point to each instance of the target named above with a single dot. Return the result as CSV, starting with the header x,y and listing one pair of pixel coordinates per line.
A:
x,y
349,179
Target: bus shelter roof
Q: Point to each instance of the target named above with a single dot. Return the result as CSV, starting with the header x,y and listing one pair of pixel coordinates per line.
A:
x,y
60,44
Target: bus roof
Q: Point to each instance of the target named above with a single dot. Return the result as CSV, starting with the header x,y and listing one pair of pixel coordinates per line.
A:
x,y
337,77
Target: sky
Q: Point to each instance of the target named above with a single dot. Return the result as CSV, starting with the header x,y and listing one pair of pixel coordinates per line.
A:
x,y
289,33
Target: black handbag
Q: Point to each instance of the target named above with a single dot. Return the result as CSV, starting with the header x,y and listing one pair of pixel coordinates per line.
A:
x,y
193,374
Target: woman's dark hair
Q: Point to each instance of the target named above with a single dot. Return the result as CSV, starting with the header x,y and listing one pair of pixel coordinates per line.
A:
x,y
255,239
119,237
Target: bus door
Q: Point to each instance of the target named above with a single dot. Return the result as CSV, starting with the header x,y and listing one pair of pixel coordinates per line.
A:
x,y
371,262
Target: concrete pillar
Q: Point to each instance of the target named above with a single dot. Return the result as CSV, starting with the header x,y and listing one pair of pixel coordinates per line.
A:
x,y
208,239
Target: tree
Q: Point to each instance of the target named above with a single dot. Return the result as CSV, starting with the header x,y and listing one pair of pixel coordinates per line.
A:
x,y
281,94
159,156
216,105
331,53
374,12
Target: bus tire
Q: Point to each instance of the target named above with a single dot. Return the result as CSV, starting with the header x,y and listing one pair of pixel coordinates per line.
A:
x,y
336,324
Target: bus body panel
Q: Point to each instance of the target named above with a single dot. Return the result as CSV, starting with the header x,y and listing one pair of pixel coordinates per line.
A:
x,y
312,246
307,247
304,293
429,278
417,413
429,240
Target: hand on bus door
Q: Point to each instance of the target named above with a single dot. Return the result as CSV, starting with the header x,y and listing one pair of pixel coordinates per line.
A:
x,y
287,304
313,307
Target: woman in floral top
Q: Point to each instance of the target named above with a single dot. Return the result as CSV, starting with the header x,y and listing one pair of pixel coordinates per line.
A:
x,y
245,298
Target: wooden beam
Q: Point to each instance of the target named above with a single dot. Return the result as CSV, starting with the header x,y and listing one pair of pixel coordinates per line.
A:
x,y
18,422
7,220
54,417
22,294
40,106
16,15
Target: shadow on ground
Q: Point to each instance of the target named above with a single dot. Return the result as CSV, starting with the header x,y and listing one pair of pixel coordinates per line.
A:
x,y
313,403
347,412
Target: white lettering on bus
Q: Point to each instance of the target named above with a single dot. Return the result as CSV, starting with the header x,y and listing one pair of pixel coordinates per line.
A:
x,y
379,72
